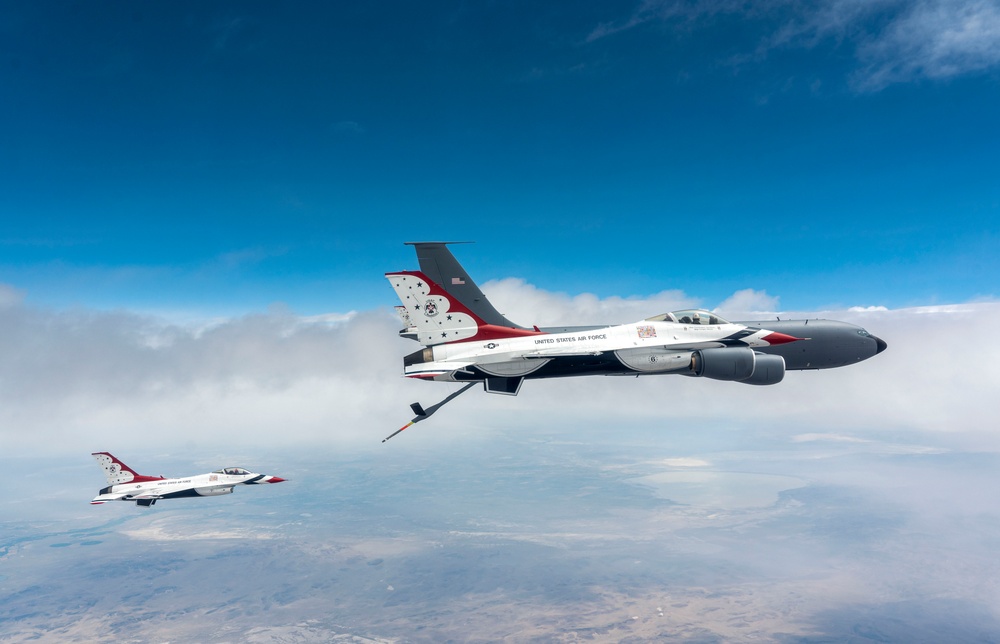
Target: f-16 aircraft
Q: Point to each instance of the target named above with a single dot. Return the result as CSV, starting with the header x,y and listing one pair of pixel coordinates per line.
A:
x,y
124,484
467,340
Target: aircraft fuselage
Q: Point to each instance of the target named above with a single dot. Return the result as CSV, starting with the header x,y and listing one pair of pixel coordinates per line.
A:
x,y
467,340
127,485
642,348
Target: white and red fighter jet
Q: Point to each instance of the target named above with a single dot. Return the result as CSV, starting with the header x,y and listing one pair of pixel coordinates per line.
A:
x,y
124,484
467,340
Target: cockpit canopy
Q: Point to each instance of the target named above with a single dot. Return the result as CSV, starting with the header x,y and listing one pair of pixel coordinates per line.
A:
x,y
689,316
232,471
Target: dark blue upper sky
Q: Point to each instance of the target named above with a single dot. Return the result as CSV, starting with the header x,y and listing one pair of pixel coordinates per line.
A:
x,y
222,156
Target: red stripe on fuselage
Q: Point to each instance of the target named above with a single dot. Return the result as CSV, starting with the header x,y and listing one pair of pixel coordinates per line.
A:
x,y
494,332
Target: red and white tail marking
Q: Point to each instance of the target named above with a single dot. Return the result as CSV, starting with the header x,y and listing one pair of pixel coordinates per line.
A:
x,y
436,317
433,313
117,472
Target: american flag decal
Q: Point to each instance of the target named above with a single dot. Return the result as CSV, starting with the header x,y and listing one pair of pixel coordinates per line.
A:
x,y
457,280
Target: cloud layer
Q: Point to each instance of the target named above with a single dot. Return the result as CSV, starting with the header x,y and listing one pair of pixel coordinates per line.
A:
x,y
91,380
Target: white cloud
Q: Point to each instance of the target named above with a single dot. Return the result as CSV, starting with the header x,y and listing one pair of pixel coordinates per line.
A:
x,y
747,303
686,461
97,380
894,41
525,304
647,11
934,377
834,438
84,380
934,39
10,296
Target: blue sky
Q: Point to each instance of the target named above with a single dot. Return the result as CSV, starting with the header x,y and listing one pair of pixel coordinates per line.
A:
x,y
170,170
221,157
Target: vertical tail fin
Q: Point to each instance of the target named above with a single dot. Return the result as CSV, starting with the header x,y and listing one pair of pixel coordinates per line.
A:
x,y
435,316
438,264
117,472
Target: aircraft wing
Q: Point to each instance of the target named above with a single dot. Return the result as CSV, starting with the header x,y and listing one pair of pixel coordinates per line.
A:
x,y
680,346
555,353
124,496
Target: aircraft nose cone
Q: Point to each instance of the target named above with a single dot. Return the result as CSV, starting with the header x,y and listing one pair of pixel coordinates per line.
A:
x,y
880,344
276,479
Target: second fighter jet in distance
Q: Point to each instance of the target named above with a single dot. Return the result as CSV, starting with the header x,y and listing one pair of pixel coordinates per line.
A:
x,y
125,484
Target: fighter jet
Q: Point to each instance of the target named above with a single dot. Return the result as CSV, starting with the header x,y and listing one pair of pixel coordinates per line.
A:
x,y
467,340
124,484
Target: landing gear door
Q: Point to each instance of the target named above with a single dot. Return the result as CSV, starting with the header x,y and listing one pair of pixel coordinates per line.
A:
x,y
505,386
